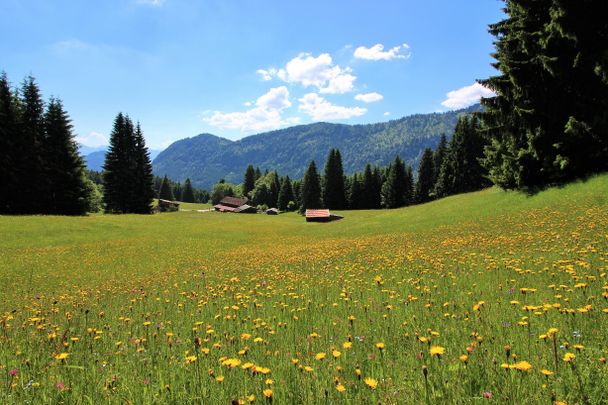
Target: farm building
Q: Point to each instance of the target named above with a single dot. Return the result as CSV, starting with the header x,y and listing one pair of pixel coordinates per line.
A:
x,y
272,211
167,205
234,204
321,215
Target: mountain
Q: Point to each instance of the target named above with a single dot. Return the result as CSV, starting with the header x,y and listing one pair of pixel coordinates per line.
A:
x,y
95,160
87,150
206,158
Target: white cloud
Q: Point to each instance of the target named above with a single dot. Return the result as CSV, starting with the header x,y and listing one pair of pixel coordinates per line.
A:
x,y
386,114
320,109
266,115
93,139
369,97
466,96
377,52
319,72
267,74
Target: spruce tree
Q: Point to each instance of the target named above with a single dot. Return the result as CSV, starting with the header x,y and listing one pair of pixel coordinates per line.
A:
x,y
439,156
35,189
117,168
408,188
144,178
68,193
285,194
311,189
369,188
548,121
166,192
273,189
11,163
354,195
188,193
426,177
334,195
249,180
394,190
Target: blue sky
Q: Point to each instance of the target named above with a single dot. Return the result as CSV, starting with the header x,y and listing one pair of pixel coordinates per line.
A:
x,y
234,68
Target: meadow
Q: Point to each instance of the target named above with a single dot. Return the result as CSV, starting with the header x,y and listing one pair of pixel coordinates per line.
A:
x,y
487,297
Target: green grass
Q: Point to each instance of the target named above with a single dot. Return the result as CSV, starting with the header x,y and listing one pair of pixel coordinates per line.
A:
x,y
131,298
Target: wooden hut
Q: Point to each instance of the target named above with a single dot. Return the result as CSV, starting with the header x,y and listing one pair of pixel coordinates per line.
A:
x,y
272,211
321,215
236,205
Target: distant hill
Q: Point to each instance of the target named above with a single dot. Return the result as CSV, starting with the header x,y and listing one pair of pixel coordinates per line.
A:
x,y
95,159
206,158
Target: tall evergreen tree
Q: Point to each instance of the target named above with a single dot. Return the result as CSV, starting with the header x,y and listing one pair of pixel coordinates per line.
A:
x,y
394,192
64,172
34,186
426,177
408,188
258,173
120,168
249,180
334,195
548,121
369,189
273,189
166,191
11,144
286,194
461,170
439,156
311,189
354,195
144,178
188,192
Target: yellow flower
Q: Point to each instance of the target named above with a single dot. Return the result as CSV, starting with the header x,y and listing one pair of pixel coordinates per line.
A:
x,y
347,345
309,369
380,345
219,378
436,350
464,358
190,359
245,336
546,372
268,393
340,388
320,356
336,354
568,357
371,382
579,347
552,331
522,366
269,381
62,356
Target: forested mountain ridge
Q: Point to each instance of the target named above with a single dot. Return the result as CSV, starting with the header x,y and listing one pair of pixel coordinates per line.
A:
x,y
206,158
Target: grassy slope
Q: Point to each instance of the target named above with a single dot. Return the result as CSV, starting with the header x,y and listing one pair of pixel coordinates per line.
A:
x,y
460,250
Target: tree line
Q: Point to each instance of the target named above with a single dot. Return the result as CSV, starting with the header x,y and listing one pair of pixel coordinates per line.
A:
x,y
40,167
453,167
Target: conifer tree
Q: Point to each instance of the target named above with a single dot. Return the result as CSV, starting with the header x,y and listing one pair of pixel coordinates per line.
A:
x,y
394,190
311,189
273,189
187,193
439,156
426,177
144,178
408,188
249,180
166,192
285,194
334,195
68,193
369,189
354,195
11,163
258,174
34,186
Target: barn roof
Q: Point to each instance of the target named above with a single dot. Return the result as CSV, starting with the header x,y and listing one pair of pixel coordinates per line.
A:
x,y
245,208
233,201
224,208
318,213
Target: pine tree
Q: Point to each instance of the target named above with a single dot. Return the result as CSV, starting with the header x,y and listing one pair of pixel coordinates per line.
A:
x,y
11,164
311,189
258,174
354,195
34,186
117,168
439,156
166,192
408,188
273,189
369,189
394,190
249,180
68,193
144,178
285,194
548,121
188,193
334,195
426,177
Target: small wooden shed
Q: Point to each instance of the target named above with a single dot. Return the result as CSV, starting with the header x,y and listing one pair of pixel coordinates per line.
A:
x,y
321,215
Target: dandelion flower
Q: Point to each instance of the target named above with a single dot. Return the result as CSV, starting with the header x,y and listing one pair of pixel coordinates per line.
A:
x,y
320,356
436,351
371,382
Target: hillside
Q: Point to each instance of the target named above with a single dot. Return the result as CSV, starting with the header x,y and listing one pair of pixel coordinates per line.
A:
x,y
206,158
95,160
472,275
